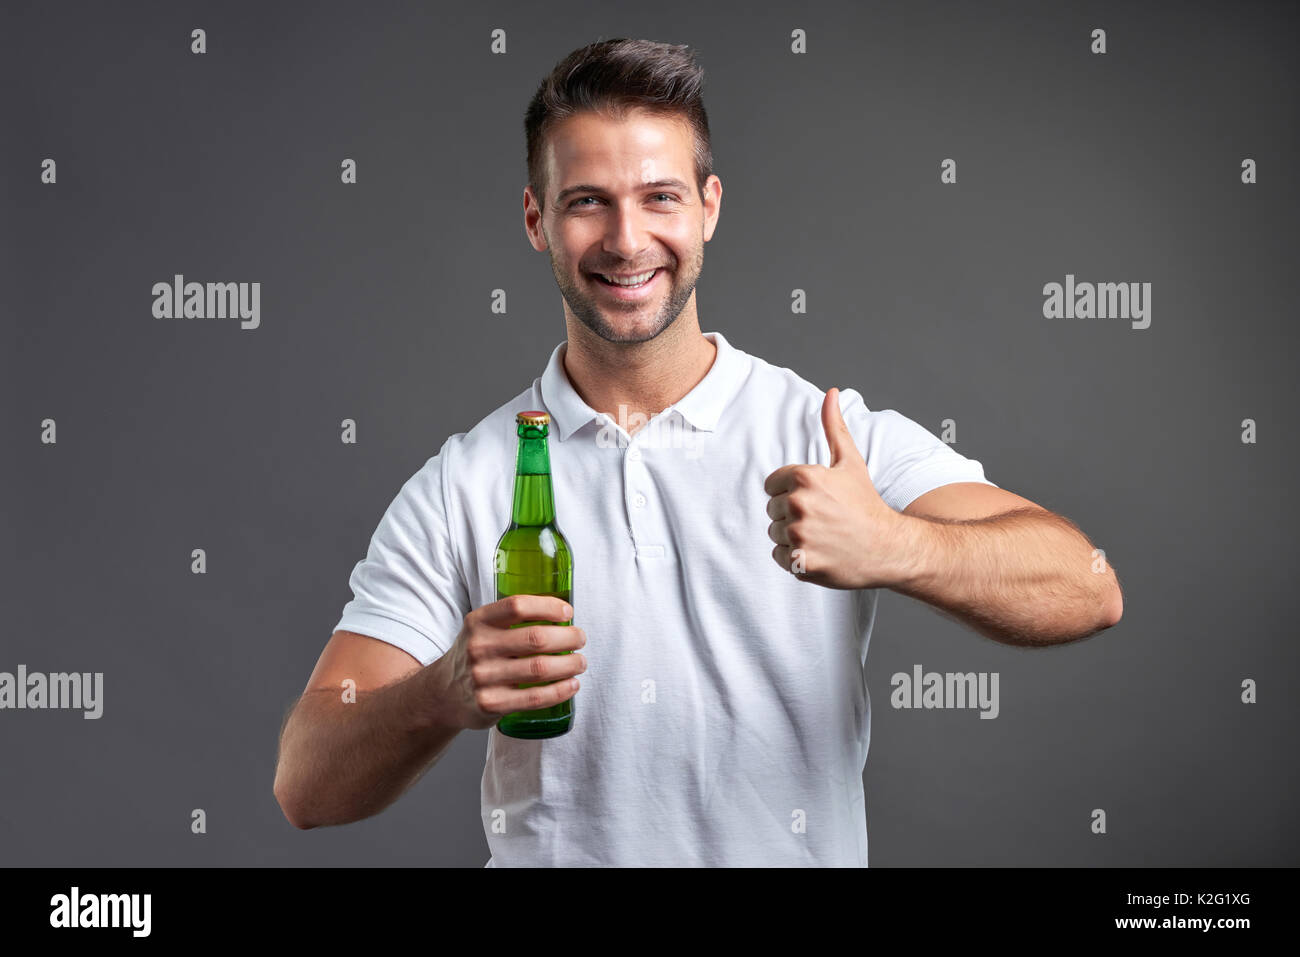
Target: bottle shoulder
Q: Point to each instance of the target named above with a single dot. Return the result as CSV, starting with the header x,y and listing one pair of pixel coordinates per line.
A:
x,y
542,537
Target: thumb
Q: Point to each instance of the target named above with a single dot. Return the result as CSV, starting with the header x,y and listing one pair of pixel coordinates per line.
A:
x,y
843,449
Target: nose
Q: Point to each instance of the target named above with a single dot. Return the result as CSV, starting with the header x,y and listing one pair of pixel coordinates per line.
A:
x,y
626,235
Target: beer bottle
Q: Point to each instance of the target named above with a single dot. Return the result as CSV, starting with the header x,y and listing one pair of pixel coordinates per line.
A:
x,y
533,558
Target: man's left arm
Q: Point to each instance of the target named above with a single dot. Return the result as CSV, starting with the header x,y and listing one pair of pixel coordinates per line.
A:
x,y
1005,566
999,563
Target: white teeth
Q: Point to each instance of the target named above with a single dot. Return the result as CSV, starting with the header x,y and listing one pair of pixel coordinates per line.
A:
x,y
631,281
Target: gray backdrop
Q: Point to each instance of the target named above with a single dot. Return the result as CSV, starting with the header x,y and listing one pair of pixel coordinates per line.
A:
x,y
926,297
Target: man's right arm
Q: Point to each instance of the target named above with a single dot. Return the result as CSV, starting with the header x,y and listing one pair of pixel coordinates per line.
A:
x,y
341,761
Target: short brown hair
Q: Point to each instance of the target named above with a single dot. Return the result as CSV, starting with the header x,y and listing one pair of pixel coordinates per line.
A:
x,y
613,77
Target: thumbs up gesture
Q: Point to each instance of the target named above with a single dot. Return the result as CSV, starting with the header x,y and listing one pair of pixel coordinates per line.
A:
x,y
830,525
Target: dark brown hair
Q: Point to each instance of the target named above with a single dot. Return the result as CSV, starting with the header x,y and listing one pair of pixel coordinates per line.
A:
x,y
613,77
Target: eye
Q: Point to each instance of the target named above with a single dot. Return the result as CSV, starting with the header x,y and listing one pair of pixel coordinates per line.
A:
x,y
659,197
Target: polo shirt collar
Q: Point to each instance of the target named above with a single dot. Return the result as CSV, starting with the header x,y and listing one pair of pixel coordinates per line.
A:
x,y
701,407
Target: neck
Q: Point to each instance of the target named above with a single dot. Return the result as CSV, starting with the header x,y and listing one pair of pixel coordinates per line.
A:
x,y
643,377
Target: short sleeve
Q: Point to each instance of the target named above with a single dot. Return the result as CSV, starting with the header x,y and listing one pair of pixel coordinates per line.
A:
x,y
409,590
905,459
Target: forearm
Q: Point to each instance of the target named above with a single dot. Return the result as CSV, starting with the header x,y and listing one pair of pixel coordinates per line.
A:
x,y
1027,577
341,762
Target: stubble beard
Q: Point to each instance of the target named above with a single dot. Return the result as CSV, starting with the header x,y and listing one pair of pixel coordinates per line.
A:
x,y
592,313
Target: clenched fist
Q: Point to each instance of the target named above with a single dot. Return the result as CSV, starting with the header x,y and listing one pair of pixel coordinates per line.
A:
x,y
830,525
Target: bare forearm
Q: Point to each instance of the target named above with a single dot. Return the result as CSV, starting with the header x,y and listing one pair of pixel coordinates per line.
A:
x,y
1027,577
341,762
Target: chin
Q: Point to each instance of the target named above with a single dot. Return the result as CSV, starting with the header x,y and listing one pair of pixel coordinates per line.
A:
x,y
614,329
640,332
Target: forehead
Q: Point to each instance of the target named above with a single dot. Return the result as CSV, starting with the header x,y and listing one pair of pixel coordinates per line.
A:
x,y
641,146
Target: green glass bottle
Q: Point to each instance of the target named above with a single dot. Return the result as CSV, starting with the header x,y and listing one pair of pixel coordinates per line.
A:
x,y
533,558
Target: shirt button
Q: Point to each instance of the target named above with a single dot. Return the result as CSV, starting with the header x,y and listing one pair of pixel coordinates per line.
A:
x,y
639,500
634,455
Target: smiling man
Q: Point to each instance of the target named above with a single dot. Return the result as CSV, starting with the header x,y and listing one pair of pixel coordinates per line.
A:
x,y
731,526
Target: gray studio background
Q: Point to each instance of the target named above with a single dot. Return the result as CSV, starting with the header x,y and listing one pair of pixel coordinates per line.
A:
x,y
175,435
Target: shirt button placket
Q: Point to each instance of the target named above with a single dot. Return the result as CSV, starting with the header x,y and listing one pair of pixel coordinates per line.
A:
x,y
634,482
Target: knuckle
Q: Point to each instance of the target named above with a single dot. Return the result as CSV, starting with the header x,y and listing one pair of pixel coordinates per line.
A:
x,y
538,667
536,698
533,637
478,675
483,700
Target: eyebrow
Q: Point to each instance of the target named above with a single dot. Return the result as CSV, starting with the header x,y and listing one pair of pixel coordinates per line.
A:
x,y
588,188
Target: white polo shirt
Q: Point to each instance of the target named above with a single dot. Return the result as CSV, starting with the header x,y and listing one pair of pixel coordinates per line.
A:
x,y
724,717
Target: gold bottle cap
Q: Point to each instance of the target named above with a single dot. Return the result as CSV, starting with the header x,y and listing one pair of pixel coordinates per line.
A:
x,y
533,418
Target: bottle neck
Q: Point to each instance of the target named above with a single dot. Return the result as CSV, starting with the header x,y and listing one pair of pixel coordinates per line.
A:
x,y
534,502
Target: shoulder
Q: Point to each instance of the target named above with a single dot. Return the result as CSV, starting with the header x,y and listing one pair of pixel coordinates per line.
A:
x,y
785,392
466,457
797,402
494,434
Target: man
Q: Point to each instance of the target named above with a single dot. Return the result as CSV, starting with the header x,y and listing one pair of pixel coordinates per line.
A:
x,y
731,526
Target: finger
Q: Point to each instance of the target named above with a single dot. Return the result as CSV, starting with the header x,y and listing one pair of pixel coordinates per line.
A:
x,y
782,480
778,506
843,449
516,609
779,532
533,640
781,555
534,669
503,700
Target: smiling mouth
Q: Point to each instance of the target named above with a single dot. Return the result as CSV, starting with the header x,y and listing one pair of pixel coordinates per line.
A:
x,y
628,281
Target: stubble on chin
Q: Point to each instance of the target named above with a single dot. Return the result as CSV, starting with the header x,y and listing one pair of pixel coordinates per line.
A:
x,y
591,315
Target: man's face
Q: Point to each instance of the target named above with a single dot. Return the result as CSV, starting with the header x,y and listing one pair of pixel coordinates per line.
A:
x,y
621,201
